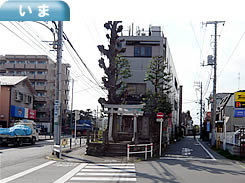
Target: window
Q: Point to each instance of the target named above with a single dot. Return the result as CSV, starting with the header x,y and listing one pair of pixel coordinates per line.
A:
x,y
2,62
41,62
40,94
32,62
12,62
142,51
41,72
40,83
19,96
11,72
29,99
136,88
32,72
20,72
20,62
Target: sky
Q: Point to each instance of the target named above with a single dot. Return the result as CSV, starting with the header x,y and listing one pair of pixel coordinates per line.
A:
x,y
189,39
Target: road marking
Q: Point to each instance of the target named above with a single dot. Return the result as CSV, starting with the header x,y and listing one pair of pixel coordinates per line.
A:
x,y
112,164
183,158
21,174
242,166
120,179
109,170
206,151
106,174
107,167
71,173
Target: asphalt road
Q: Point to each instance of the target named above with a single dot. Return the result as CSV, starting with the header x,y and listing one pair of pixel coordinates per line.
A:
x,y
16,159
190,161
187,161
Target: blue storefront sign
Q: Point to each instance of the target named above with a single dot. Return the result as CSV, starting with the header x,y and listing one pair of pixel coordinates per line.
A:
x,y
239,113
18,112
34,10
84,125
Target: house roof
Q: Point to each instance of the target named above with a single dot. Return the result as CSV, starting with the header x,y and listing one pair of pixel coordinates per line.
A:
x,y
11,80
14,80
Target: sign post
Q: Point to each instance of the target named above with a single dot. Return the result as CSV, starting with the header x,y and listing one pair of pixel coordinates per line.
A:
x,y
160,119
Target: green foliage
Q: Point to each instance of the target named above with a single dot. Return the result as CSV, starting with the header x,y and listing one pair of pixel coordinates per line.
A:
x,y
158,101
157,74
122,72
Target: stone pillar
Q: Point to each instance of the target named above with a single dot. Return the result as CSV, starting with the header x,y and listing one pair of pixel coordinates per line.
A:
x,y
110,126
135,127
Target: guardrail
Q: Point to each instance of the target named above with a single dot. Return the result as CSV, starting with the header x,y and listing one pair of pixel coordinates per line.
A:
x,y
72,142
57,148
138,152
68,143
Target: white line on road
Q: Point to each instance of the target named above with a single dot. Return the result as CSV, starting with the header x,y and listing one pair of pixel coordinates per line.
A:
x,y
114,174
106,167
71,173
206,150
108,170
182,158
21,174
116,179
112,164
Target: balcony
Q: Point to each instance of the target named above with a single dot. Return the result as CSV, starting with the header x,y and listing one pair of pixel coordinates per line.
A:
x,y
41,66
19,66
31,76
40,99
40,76
40,87
8,65
30,66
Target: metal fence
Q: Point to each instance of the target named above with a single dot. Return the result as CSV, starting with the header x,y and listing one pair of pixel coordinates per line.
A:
x,y
138,152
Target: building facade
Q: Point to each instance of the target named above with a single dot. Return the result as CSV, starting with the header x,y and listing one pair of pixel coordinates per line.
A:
x,y
41,71
233,115
140,49
16,100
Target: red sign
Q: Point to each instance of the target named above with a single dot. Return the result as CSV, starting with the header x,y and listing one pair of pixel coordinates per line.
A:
x,y
159,115
31,114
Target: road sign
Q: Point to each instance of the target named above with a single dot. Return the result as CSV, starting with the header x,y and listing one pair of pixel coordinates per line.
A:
x,y
159,115
159,120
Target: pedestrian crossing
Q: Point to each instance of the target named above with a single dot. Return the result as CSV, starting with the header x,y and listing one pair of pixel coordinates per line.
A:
x,y
115,172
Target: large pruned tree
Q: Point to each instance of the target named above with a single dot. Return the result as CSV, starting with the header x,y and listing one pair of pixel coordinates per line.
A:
x,y
118,68
157,74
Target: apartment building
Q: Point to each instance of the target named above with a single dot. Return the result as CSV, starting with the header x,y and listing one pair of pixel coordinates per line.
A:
x,y
140,49
41,71
16,100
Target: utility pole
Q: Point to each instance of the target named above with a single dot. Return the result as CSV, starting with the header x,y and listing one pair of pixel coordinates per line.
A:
x,y
214,81
180,109
57,105
201,112
199,85
72,102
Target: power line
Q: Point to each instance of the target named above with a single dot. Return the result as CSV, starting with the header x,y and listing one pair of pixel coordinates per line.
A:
x,y
89,71
233,51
